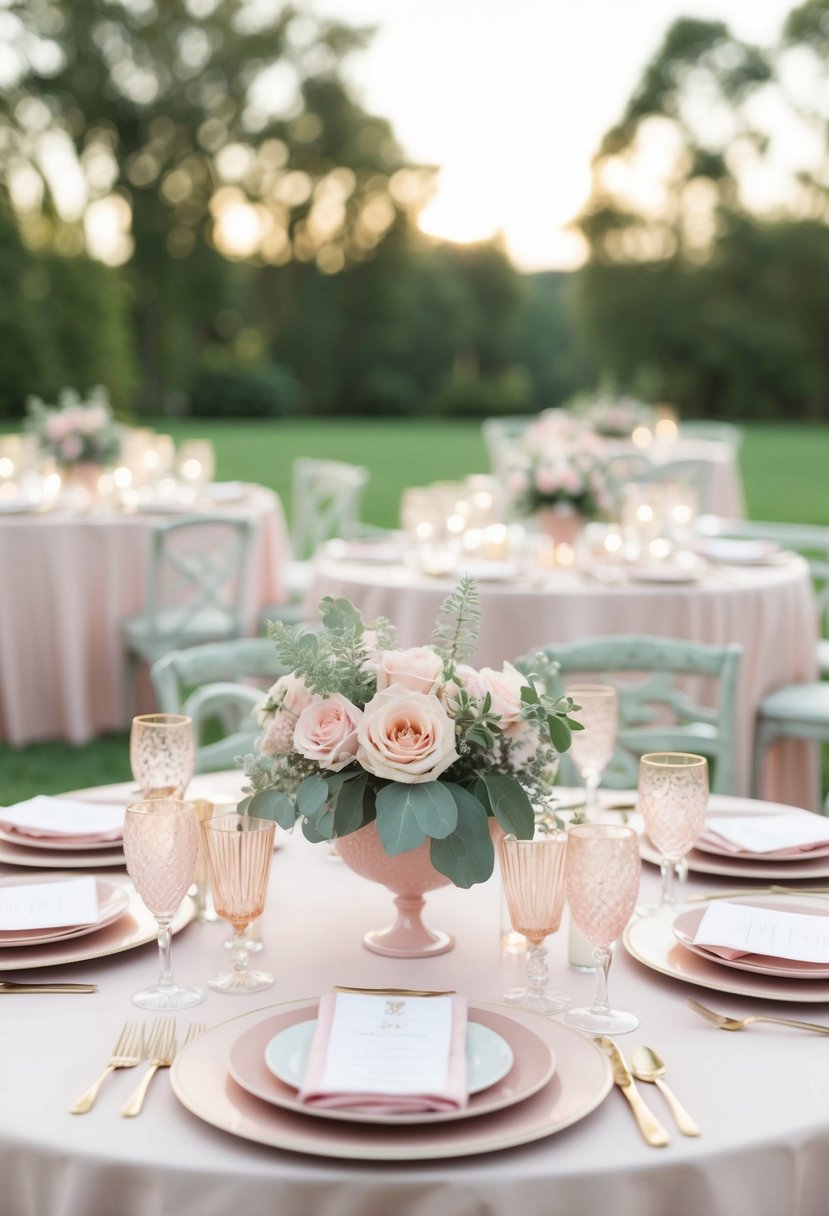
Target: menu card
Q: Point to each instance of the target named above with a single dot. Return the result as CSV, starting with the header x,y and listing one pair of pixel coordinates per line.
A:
x,y
735,929
769,833
49,905
388,1054
45,816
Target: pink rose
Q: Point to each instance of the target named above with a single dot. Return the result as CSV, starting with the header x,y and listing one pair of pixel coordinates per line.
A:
x,y
465,677
419,669
505,689
327,732
406,736
71,448
285,702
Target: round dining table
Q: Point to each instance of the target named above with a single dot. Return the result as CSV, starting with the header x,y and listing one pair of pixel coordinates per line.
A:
x,y
768,609
70,576
759,1097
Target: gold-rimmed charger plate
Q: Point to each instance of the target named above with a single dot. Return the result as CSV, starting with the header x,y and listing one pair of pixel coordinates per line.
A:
x,y
135,927
202,1084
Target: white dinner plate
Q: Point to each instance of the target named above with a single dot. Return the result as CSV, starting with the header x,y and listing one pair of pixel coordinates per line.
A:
x,y
650,940
15,506
735,551
61,844
488,1055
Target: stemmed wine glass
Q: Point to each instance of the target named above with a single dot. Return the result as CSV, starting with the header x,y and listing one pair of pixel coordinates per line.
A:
x,y
602,884
239,853
592,748
533,876
162,754
160,845
673,800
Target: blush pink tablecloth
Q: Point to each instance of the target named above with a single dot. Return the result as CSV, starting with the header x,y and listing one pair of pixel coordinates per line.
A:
x,y
68,581
769,610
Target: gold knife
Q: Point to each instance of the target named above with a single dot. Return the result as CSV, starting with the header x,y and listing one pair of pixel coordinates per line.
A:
x,y
10,987
392,991
650,1127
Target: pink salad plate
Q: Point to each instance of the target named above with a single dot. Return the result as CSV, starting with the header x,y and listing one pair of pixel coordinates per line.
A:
x,y
113,902
39,857
69,844
686,924
135,926
651,941
201,1082
532,1067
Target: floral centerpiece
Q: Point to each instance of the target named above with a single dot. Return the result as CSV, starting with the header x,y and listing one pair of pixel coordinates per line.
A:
x,y
416,740
557,463
76,430
615,417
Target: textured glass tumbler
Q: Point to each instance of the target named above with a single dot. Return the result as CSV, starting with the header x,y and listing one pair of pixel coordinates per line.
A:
x,y
239,852
602,884
673,800
162,754
533,875
161,846
592,748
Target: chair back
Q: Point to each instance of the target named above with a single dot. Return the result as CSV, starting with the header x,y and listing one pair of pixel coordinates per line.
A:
x,y
696,473
663,710
711,431
326,503
501,436
218,685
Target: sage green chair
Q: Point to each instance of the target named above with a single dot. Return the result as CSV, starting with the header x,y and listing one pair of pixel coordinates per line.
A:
x,y
712,430
793,711
218,685
656,710
196,591
501,437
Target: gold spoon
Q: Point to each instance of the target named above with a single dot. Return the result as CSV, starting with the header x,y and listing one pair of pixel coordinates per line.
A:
x,y
647,1066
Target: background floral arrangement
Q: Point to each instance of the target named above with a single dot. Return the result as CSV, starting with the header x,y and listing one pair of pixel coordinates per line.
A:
x,y
76,429
615,417
557,462
415,739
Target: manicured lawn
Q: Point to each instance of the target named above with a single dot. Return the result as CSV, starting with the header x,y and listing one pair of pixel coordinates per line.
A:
x,y
784,471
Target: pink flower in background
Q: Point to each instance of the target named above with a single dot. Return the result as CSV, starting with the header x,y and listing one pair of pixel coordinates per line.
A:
x,y
71,448
406,736
418,669
279,711
327,732
504,687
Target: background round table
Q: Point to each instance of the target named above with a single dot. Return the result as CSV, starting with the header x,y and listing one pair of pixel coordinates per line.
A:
x,y
69,579
759,1097
768,609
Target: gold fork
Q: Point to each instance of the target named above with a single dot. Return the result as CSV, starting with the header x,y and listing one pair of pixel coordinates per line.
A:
x,y
161,1054
127,1052
725,1023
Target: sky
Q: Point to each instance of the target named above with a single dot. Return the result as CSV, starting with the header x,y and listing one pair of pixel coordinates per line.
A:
x,y
510,98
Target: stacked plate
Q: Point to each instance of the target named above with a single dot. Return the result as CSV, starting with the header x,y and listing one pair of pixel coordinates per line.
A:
x,y
49,832
528,1077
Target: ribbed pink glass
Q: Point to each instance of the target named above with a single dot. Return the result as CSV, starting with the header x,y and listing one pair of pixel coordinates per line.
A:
x,y
673,800
533,872
161,847
162,754
602,885
592,748
239,854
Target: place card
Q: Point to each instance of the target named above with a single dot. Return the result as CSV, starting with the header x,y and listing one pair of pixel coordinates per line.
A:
x,y
769,833
45,816
388,1044
49,905
748,929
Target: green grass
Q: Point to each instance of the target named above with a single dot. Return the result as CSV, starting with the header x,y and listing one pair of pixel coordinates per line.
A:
x,y
784,472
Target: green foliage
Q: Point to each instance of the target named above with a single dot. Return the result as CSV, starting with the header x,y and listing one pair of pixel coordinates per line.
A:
x,y
455,636
504,798
267,391
466,855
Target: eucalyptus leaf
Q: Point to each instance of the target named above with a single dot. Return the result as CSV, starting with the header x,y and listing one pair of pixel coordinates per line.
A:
x,y
508,802
396,820
466,856
273,804
348,811
311,794
320,831
559,733
340,616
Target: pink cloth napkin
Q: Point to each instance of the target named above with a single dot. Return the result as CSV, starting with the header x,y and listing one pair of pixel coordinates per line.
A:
x,y
710,836
60,837
454,1097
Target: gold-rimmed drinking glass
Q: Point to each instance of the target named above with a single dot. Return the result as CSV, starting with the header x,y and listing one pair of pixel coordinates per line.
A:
x,y
239,853
160,846
673,800
602,884
532,872
592,748
162,754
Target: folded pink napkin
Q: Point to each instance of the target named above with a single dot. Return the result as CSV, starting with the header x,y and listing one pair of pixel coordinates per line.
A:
x,y
391,1016
60,838
709,836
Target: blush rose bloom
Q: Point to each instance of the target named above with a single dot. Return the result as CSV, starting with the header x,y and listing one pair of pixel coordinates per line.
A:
x,y
406,736
289,697
419,669
327,732
505,689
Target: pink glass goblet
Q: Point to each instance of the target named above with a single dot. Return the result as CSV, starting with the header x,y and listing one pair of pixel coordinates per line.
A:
x,y
602,884
592,748
239,852
673,800
161,847
162,754
532,872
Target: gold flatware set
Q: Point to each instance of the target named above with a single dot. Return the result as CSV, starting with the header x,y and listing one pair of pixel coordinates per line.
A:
x,y
132,1047
648,1068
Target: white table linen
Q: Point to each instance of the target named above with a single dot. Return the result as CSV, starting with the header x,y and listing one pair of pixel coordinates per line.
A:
x,y
69,580
759,1096
769,610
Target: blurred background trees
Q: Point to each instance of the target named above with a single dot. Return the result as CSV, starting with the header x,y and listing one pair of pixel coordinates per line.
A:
x,y
195,210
